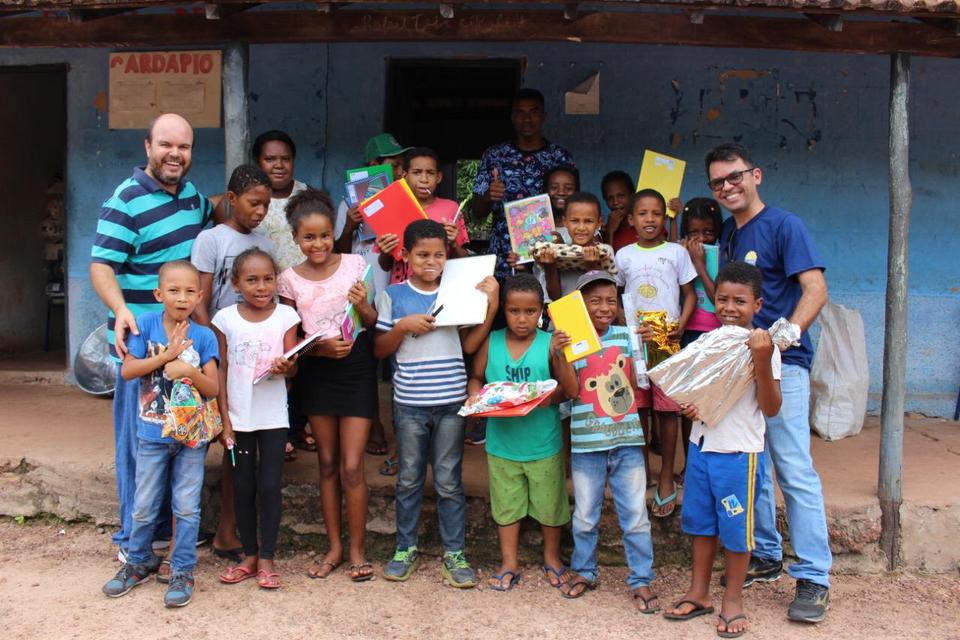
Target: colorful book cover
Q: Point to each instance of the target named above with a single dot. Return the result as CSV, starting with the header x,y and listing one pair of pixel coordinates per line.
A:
x,y
529,221
663,173
352,323
569,314
391,210
711,256
369,172
361,188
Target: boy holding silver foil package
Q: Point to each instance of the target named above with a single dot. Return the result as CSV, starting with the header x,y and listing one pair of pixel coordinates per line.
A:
x,y
725,462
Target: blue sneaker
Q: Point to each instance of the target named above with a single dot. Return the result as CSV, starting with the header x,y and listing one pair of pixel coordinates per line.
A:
x,y
180,591
403,565
129,576
457,571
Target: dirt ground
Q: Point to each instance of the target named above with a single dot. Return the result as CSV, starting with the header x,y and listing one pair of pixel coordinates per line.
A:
x,y
51,574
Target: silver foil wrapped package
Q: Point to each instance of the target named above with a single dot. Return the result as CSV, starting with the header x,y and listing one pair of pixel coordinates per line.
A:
x,y
714,371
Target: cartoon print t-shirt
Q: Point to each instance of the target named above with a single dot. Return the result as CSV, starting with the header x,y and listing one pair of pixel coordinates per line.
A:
x,y
604,416
155,387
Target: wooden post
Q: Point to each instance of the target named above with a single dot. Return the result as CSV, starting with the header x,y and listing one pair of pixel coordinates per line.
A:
x,y
236,123
895,324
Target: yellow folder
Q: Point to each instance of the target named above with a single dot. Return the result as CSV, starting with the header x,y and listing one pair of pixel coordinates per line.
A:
x,y
663,173
569,314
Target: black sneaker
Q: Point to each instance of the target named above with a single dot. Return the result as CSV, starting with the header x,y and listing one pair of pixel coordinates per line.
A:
x,y
759,570
811,602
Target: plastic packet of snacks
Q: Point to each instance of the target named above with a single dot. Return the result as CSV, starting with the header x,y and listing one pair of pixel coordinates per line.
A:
x,y
509,399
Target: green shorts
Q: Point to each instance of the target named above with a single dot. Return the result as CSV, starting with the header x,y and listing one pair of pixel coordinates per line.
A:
x,y
537,488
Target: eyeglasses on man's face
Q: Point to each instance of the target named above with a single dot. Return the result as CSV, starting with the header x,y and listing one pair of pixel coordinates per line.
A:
x,y
733,179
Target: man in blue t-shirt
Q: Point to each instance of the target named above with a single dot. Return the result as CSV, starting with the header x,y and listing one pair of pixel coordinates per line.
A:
x,y
778,243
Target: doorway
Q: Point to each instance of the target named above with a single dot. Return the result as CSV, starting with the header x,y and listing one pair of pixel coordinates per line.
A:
x,y
32,247
456,107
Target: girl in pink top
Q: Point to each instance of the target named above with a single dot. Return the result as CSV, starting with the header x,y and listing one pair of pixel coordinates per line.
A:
x,y
338,389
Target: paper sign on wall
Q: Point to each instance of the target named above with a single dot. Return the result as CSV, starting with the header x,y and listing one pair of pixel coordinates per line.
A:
x,y
585,98
144,84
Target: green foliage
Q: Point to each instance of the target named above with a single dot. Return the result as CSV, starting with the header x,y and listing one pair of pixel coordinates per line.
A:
x,y
20,519
466,173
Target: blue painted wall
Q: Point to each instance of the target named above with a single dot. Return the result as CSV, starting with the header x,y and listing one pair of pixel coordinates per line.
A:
x,y
815,122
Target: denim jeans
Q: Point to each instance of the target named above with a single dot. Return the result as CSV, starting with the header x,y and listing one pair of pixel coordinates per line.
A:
x,y
126,406
161,466
434,435
787,451
623,468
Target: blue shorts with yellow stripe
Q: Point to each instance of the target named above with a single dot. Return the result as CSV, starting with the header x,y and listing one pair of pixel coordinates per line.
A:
x,y
719,494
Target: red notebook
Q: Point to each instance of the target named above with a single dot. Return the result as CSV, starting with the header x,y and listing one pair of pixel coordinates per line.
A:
x,y
391,210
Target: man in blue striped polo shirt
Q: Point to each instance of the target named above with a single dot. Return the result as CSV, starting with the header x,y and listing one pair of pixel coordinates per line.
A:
x,y
152,218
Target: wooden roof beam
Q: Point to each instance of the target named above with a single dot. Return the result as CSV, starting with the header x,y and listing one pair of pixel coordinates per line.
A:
x,y
85,15
829,21
218,11
948,25
262,27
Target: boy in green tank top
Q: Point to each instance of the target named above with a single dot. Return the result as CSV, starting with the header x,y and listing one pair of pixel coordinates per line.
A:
x,y
525,454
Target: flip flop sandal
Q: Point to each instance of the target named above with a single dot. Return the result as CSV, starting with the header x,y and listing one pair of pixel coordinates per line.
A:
x,y
315,575
662,502
571,593
306,445
389,467
726,623
268,580
356,572
291,455
697,611
376,449
559,574
646,603
513,579
163,577
233,555
236,575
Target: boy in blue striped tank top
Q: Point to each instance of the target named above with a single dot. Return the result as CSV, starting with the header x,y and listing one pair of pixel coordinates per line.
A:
x,y
605,444
429,386
525,454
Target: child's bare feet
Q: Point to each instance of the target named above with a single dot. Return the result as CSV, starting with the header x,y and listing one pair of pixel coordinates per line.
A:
x,y
646,600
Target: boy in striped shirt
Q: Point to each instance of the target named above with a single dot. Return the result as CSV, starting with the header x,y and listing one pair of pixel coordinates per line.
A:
x,y
429,386
606,437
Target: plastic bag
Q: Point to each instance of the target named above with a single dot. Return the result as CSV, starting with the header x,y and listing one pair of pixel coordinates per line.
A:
x,y
190,419
840,377
504,395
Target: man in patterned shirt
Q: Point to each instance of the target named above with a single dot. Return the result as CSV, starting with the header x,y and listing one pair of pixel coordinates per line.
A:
x,y
513,170
152,218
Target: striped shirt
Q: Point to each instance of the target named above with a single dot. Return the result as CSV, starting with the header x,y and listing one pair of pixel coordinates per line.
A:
x,y
604,416
428,369
141,227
